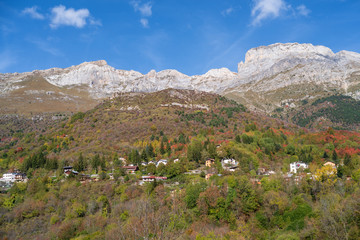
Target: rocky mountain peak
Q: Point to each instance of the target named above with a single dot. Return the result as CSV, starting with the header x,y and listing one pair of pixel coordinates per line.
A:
x,y
220,73
99,63
283,50
272,74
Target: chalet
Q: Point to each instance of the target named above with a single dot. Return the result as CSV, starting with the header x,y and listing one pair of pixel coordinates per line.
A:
x,y
8,177
295,166
330,164
228,161
69,170
161,161
144,164
13,177
130,169
20,177
152,178
209,162
229,164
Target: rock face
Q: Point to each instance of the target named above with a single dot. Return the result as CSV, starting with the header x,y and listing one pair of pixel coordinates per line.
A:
x,y
285,74
269,77
293,63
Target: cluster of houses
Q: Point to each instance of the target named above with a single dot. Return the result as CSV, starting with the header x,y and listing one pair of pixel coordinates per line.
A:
x,y
227,164
157,163
8,179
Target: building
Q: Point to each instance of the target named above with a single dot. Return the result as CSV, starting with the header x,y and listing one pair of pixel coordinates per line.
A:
x,y
152,178
330,164
229,164
209,162
130,169
8,177
13,177
295,166
161,161
69,170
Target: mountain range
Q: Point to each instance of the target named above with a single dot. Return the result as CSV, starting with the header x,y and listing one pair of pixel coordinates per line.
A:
x,y
275,79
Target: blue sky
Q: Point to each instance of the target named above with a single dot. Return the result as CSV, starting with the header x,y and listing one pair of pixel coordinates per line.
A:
x,y
191,36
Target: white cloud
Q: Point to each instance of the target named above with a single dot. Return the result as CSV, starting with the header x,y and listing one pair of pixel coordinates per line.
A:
x,y
303,10
144,9
144,22
69,17
33,12
227,11
62,16
267,9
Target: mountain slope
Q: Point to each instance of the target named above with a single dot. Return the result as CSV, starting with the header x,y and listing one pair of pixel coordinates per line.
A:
x,y
271,77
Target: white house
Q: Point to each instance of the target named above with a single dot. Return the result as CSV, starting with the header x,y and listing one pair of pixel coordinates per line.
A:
x,y
229,164
8,177
152,178
297,165
161,161
13,177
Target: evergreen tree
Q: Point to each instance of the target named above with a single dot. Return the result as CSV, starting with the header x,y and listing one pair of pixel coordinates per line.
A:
x,y
135,157
144,157
347,160
80,164
150,151
162,150
168,148
335,157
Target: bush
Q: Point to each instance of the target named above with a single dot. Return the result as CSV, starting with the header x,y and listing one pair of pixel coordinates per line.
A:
x,y
77,116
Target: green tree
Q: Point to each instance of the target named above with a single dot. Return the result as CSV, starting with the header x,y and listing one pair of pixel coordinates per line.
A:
x,y
192,194
162,149
80,164
168,148
335,157
194,151
212,150
95,162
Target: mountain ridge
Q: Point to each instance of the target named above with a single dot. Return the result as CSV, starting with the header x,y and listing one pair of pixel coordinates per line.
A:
x,y
270,77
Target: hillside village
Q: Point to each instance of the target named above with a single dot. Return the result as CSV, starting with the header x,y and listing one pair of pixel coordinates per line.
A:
x,y
176,172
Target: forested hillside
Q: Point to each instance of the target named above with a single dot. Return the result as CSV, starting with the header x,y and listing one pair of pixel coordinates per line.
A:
x,y
184,137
